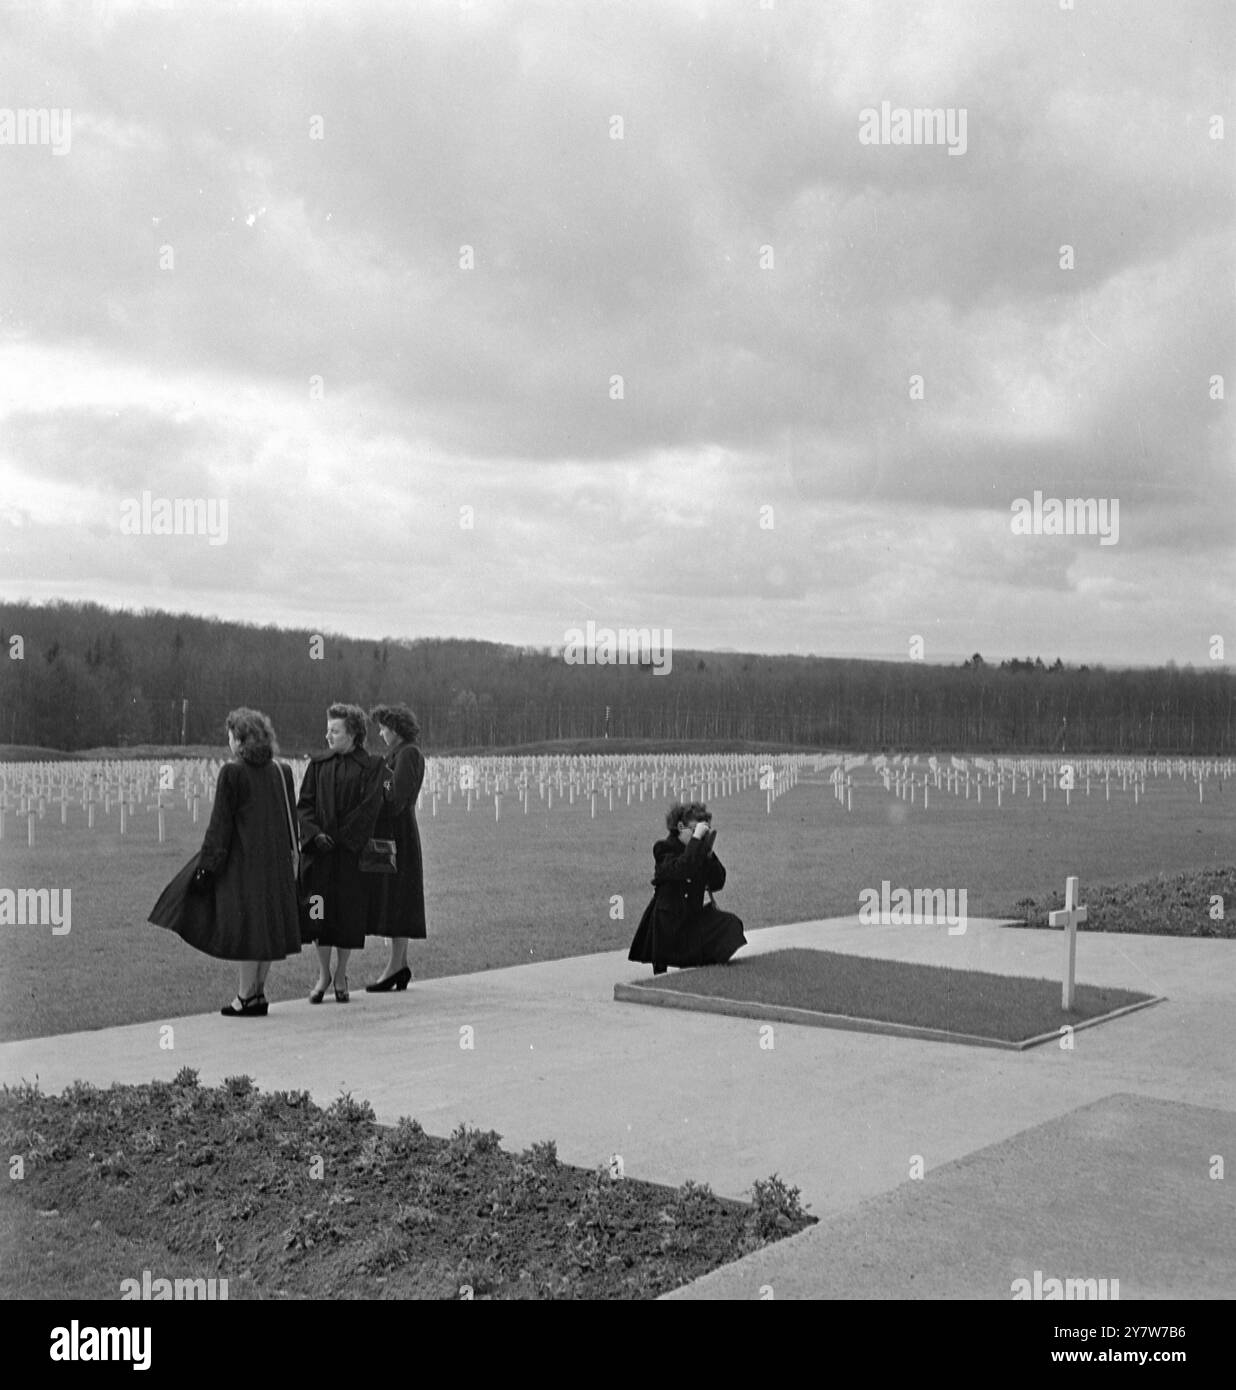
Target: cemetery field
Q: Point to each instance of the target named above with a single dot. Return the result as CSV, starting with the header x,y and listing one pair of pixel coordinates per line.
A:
x,y
971,1002
802,837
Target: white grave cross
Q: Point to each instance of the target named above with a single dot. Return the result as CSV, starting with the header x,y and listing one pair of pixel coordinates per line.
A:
x,y
1068,918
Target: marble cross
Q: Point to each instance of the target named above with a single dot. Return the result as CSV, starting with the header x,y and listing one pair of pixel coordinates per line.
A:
x,y
1068,918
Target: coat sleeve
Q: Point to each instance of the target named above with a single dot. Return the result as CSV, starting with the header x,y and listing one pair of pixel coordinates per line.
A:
x,y
714,870
402,784
675,867
218,838
357,826
307,806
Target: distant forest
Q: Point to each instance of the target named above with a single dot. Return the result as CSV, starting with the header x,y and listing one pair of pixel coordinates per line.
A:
x,y
92,677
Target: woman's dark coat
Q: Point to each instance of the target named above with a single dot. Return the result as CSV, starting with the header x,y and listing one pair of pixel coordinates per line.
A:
x,y
676,928
397,905
248,910
341,796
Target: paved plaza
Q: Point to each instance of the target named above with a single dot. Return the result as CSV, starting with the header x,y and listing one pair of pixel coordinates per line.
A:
x,y
1090,1162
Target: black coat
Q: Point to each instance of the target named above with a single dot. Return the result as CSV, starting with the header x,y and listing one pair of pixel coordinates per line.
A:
x,y
248,911
340,796
671,929
397,905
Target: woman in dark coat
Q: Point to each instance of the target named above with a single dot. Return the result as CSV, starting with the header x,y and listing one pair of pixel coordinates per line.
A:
x,y
236,898
340,798
397,905
677,928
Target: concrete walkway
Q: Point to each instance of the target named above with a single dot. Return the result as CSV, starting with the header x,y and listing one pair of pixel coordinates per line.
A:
x,y
543,1051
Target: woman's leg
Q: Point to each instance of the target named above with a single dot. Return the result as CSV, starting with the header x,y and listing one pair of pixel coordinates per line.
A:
x,y
399,956
249,982
341,969
323,967
263,969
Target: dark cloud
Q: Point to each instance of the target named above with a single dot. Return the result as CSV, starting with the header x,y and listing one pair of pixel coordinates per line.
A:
x,y
767,287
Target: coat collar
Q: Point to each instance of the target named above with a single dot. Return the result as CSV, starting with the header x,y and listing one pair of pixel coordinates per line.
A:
x,y
354,752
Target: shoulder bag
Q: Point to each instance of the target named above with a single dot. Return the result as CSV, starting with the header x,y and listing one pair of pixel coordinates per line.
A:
x,y
287,806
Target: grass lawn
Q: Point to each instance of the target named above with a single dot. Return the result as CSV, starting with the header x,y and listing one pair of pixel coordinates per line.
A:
x,y
921,996
284,1199
553,883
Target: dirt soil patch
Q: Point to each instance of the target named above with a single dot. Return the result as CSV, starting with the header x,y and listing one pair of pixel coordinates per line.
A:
x,y
285,1199
1181,904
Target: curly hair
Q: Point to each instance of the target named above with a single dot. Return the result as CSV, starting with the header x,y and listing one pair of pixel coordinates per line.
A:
x,y
399,718
353,720
683,811
255,734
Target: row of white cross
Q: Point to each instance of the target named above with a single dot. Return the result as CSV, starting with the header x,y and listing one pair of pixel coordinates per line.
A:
x,y
601,778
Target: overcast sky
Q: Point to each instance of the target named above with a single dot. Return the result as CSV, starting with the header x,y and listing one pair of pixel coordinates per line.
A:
x,y
243,279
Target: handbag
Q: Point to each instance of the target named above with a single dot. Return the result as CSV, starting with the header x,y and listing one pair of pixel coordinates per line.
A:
x,y
287,806
378,857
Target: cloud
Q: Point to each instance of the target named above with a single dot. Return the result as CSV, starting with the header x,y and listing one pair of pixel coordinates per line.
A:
x,y
767,288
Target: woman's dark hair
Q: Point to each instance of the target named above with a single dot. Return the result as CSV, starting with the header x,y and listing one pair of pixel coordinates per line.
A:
x,y
683,811
353,720
254,733
399,718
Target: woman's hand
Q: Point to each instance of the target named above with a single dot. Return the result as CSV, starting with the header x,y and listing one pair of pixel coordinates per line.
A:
x,y
702,828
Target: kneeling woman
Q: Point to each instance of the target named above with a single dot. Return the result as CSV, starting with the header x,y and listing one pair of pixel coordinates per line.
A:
x,y
677,928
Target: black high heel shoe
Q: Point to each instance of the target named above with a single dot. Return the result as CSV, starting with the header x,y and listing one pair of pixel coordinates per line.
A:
x,y
253,1007
341,995
399,980
319,994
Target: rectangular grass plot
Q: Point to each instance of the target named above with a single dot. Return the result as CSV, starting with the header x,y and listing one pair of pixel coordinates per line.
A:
x,y
859,992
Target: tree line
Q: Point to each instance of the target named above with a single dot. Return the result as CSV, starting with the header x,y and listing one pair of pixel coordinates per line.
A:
x,y
77,675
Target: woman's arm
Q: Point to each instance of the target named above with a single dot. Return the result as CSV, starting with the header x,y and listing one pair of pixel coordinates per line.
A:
x,y
218,838
357,826
715,873
307,807
406,778
677,866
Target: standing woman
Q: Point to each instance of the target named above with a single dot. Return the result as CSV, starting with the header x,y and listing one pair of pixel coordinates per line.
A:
x,y
340,798
236,898
397,908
